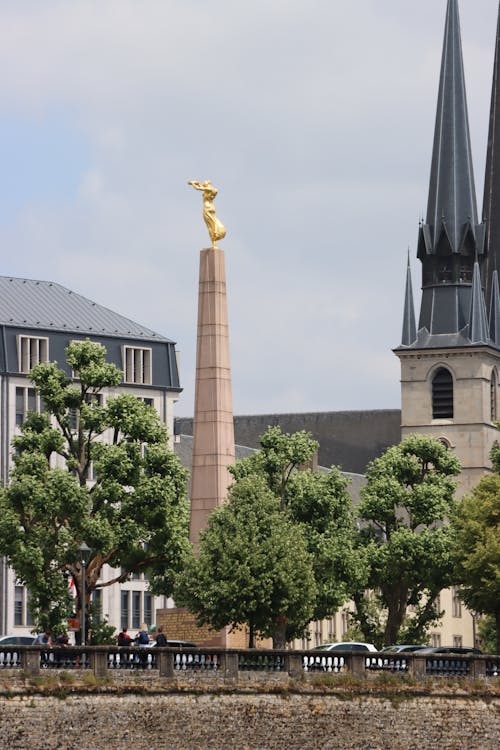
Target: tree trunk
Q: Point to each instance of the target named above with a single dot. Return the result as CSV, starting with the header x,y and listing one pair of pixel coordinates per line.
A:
x,y
251,635
497,623
279,633
361,617
83,604
396,600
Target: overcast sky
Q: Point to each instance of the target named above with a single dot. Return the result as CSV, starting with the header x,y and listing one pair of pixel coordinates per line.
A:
x,y
314,119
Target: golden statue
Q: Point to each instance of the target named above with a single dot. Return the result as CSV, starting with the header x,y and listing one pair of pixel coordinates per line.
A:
x,y
216,228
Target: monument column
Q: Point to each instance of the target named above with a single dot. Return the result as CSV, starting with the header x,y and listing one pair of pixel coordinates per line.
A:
x,y
213,430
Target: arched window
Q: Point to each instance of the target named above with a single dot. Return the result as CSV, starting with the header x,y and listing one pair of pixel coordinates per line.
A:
x,y
442,394
444,441
493,395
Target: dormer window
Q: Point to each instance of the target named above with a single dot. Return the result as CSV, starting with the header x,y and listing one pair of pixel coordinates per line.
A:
x,y
31,351
137,365
442,394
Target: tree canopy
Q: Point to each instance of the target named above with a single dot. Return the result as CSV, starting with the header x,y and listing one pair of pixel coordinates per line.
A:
x,y
404,507
476,549
253,567
312,506
93,472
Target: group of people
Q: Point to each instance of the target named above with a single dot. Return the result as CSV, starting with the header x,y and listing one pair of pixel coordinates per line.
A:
x,y
45,639
143,637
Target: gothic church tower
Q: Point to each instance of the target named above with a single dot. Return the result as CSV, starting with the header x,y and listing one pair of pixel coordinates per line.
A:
x,y
450,363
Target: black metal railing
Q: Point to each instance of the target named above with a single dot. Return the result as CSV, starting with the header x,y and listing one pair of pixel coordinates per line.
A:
x,y
261,661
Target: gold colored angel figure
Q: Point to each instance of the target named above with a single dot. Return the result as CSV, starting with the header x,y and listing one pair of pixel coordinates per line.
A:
x,y
216,228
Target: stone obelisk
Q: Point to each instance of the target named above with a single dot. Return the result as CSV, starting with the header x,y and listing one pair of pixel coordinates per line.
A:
x,y
213,430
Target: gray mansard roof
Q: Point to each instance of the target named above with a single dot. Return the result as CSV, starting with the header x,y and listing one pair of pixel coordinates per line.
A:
x,y
349,439
183,447
26,303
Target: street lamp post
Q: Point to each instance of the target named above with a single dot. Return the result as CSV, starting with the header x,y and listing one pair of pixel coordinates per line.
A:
x,y
84,551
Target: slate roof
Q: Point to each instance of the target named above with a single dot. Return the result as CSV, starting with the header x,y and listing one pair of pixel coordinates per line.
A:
x,y
348,439
452,198
183,448
409,333
452,309
27,303
491,200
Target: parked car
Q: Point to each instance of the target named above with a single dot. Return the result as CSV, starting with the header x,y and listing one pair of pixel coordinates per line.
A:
x,y
451,650
402,647
17,640
346,646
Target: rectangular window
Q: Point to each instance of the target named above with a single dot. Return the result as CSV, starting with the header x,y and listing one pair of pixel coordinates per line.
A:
x,y
22,614
124,609
19,605
456,603
317,633
137,365
73,419
457,641
27,400
435,640
94,399
332,631
136,609
148,609
31,351
20,408
345,622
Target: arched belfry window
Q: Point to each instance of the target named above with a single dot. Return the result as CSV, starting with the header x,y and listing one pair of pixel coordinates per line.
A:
x,y
442,394
493,395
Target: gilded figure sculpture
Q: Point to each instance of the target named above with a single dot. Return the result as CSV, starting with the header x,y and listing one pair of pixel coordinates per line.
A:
x,y
216,228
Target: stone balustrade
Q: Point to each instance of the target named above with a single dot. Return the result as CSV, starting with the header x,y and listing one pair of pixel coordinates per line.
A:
x,y
231,664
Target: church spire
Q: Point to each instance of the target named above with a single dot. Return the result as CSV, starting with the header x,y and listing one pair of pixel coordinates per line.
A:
x,y
491,200
450,239
452,197
409,334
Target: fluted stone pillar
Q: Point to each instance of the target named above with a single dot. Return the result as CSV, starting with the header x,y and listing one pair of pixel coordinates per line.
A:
x,y
213,430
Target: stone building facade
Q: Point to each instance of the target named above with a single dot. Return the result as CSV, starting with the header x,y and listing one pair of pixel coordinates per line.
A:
x,y
38,320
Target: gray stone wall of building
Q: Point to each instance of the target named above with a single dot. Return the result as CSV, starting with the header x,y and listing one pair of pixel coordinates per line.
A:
x,y
256,721
349,439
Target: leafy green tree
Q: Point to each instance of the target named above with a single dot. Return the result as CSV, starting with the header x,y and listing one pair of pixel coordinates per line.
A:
x,y
133,515
488,634
404,507
101,632
253,568
318,506
318,502
476,550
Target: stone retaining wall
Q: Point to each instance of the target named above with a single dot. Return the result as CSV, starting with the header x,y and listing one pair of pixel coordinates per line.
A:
x,y
248,721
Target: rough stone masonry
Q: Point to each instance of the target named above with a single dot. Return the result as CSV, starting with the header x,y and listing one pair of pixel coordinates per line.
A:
x,y
247,722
